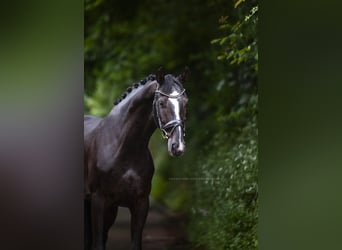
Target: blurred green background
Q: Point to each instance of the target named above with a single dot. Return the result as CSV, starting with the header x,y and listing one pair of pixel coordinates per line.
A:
x,y
214,185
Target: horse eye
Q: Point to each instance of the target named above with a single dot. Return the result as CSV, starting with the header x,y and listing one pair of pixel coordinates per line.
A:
x,y
161,104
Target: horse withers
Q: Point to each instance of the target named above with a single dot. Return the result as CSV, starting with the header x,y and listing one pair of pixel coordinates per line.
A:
x,y
117,162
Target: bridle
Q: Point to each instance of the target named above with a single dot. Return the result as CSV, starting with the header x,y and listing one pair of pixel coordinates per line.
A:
x,y
173,124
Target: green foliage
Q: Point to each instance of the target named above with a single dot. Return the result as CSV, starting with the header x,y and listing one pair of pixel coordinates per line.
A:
x,y
224,210
127,40
240,43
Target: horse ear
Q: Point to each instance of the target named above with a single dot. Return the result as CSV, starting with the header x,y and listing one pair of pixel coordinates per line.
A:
x,y
185,75
160,75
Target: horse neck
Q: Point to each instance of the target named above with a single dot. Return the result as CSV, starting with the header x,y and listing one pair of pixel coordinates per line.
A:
x,y
132,118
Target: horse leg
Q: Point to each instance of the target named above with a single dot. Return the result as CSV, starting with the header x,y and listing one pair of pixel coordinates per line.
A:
x,y
97,216
87,225
109,219
138,218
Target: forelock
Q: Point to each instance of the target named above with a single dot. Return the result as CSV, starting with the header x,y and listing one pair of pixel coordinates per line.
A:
x,y
171,84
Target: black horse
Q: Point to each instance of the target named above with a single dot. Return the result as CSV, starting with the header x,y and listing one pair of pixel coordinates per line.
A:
x,y
117,162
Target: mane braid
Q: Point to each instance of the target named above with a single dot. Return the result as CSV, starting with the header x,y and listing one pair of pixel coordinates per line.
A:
x,y
134,86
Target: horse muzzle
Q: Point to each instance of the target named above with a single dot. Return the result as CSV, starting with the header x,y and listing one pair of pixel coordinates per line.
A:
x,y
175,143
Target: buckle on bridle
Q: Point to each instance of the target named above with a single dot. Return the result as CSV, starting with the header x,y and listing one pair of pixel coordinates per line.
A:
x,y
173,125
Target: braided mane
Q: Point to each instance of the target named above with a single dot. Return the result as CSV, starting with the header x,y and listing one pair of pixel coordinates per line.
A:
x,y
134,86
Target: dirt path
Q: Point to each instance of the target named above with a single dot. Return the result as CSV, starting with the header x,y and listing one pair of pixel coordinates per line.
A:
x,y
162,232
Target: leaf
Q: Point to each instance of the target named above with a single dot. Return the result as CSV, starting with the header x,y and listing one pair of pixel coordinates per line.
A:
x,y
215,40
223,40
224,26
223,19
238,3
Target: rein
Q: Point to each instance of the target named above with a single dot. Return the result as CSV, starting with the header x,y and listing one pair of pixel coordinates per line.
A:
x,y
173,124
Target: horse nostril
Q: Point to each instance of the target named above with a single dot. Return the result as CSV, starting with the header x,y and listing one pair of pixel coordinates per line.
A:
x,y
175,145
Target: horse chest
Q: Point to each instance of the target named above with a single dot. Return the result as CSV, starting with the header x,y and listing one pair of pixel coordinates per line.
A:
x,y
127,182
132,181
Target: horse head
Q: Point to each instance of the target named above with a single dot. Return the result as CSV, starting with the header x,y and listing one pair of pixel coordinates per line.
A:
x,y
169,108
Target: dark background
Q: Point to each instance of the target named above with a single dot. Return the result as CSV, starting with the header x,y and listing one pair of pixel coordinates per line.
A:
x,y
299,123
